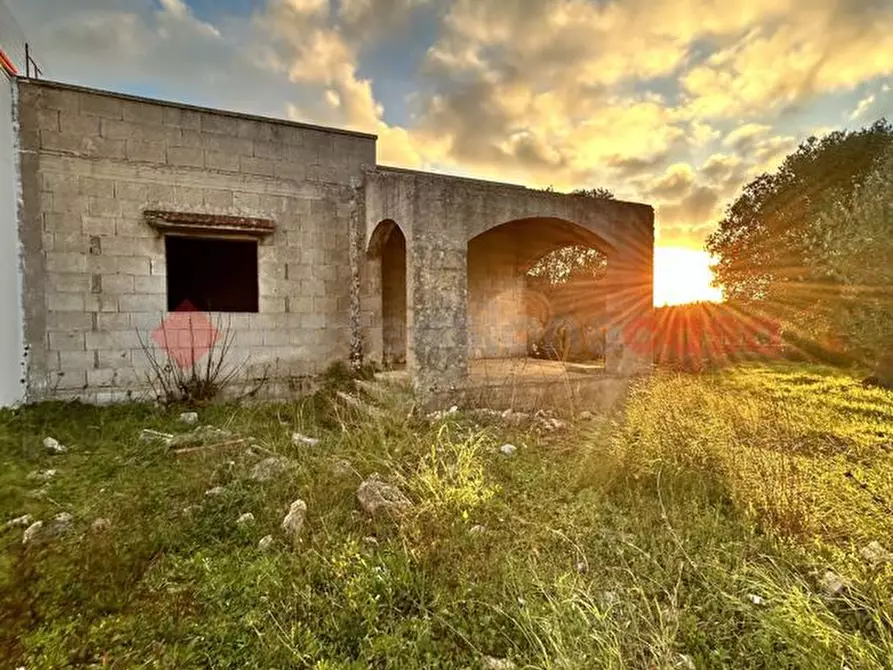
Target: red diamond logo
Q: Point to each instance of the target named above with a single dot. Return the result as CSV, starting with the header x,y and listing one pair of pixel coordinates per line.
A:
x,y
187,335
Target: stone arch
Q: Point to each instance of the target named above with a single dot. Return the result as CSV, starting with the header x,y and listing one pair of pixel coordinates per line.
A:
x,y
503,314
386,257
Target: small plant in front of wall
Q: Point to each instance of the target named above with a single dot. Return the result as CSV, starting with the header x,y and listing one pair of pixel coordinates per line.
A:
x,y
188,358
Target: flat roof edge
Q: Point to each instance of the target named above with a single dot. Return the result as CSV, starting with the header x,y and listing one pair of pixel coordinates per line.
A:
x,y
195,108
501,184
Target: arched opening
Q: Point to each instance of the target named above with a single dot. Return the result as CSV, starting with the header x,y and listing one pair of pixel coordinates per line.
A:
x,y
536,289
388,248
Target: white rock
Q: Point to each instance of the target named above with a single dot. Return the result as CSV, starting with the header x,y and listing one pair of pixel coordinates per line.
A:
x,y
294,520
20,521
376,497
100,525
300,438
371,540
508,449
269,468
265,543
582,567
32,531
876,554
491,663
216,491
453,409
755,599
148,435
832,583
189,418
42,475
245,518
61,523
477,529
52,445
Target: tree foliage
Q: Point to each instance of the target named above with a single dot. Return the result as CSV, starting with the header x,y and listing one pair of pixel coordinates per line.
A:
x,y
569,264
811,242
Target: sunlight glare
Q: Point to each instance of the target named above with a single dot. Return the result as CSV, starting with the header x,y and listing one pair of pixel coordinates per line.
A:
x,y
683,276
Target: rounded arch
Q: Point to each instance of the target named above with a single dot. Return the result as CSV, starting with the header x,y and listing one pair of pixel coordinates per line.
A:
x,y
507,314
386,254
531,238
384,231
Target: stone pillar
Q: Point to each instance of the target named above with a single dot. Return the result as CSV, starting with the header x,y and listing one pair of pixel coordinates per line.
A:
x,y
437,286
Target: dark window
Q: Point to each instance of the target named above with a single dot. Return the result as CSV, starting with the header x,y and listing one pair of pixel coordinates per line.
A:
x,y
211,274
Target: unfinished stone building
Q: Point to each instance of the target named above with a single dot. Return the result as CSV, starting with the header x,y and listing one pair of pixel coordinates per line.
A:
x,y
133,209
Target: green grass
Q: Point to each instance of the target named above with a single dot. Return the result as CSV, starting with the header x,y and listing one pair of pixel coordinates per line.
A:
x,y
635,540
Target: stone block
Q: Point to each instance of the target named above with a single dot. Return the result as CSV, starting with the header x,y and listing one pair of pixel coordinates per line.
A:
x,y
103,207
256,166
219,160
219,123
101,303
112,321
97,187
150,285
146,152
215,199
138,266
76,125
111,340
66,340
92,104
68,282
76,360
185,157
69,321
115,359
129,190
117,284
141,112
142,303
66,262
181,118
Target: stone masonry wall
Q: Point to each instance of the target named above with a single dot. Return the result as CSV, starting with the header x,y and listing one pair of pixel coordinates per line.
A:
x,y
94,274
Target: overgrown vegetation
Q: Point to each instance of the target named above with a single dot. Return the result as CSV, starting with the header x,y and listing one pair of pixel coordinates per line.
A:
x,y
812,242
692,528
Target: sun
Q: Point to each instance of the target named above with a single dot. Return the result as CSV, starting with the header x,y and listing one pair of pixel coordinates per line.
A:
x,y
683,275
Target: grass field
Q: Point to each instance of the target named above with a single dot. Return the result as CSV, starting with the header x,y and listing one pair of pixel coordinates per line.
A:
x,y
699,526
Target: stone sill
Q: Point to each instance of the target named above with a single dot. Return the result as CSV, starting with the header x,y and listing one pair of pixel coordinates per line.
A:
x,y
208,225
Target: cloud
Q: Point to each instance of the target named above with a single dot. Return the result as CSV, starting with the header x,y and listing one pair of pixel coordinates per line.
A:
x,y
746,137
863,106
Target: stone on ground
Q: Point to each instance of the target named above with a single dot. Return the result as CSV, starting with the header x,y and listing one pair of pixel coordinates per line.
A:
x,y
832,583
61,523
148,435
377,497
53,446
31,532
20,521
492,663
876,554
42,475
245,518
265,543
508,449
269,468
294,520
300,438
189,418
215,491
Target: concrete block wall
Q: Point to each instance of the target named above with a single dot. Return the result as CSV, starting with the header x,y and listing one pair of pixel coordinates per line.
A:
x,y
12,346
95,271
497,315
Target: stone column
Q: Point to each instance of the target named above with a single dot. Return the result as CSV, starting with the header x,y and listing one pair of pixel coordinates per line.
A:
x,y
437,285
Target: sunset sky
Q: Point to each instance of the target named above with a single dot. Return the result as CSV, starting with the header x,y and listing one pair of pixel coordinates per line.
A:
x,y
674,103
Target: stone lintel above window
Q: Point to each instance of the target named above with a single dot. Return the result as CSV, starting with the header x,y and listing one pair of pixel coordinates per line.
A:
x,y
208,225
